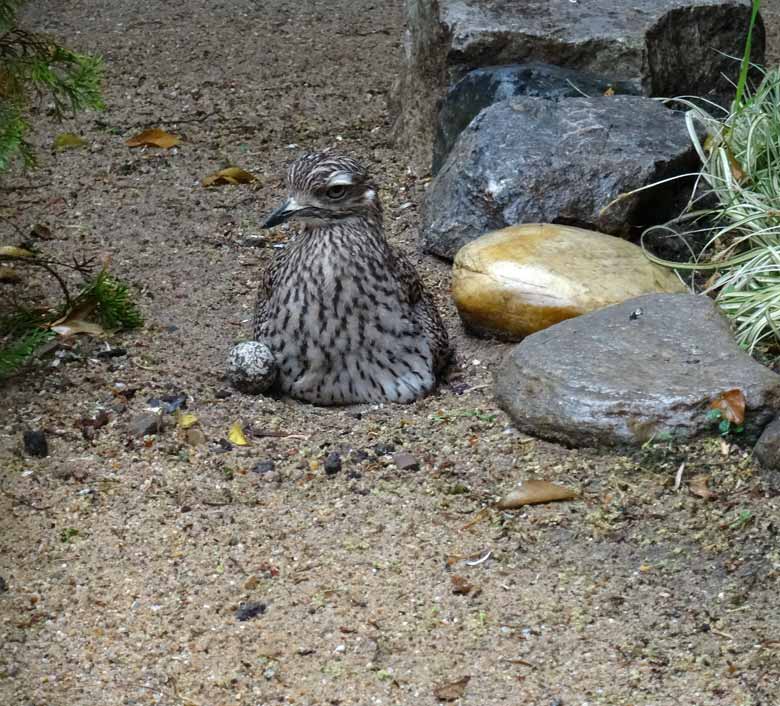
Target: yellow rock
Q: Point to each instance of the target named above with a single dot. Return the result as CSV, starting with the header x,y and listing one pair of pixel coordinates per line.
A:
x,y
518,280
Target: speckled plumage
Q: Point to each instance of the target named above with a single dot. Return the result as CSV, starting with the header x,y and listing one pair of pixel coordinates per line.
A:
x,y
345,315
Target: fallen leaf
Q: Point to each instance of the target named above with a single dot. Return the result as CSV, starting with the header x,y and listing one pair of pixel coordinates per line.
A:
x,y
460,586
187,420
534,491
8,275
452,691
236,435
68,141
610,91
71,327
11,251
731,405
153,138
736,168
699,485
230,175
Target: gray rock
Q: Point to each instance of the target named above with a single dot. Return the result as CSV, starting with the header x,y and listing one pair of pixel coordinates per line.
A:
x,y
251,367
668,47
482,87
647,368
767,449
35,443
530,160
146,424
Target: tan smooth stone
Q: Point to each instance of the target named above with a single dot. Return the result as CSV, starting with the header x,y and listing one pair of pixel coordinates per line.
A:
x,y
518,280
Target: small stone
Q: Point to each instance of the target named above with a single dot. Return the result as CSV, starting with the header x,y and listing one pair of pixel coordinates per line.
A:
x,y
195,437
382,449
251,367
251,583
222,394
406,462
263,467
767,449
145,424
513,282
250,610
35,443
333,463
111,353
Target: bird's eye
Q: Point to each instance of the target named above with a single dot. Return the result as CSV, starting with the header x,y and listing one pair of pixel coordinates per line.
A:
x,y
336,192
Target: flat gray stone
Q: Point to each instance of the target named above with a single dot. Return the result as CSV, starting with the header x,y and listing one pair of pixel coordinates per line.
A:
x,y
666,47
530,160
482,87
647,368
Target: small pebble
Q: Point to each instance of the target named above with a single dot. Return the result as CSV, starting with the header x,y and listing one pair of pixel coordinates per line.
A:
x,y
222,394
383,449
333,463
249,610
111,353
263,467
195,437
35,444
145,424
406,462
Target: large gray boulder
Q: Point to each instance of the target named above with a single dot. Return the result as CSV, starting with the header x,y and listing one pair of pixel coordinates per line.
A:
x,y
667,47
649,367
482,87
531,160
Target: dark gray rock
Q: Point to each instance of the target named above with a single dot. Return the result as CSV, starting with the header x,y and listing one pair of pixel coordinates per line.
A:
x,y
767,449
530,160
482,87
406,462
668,47
647,368
35,443
332,463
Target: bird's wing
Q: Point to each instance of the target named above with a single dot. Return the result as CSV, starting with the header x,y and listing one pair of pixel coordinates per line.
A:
x,y
264,290
408,277
429,319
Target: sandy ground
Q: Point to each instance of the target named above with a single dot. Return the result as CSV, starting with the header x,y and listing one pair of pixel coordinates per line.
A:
x,y
126,563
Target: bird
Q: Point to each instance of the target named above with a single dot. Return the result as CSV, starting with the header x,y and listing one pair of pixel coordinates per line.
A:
x,y
345,316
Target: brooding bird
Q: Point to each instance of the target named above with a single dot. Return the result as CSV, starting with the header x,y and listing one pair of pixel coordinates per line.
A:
x,y
345,316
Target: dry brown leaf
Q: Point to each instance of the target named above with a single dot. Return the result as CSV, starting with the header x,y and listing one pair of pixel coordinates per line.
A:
x,y
236,435
460,585
452,691
699,485
71,327
534,491
736,168
68,141
731,405
230,175
8,275
12,251
153,138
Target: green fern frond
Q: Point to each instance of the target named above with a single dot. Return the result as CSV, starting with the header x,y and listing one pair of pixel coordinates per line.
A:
x,y
113,306
18,352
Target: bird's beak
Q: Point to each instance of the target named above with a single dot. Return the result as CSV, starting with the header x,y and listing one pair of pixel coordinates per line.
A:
x,y
286,211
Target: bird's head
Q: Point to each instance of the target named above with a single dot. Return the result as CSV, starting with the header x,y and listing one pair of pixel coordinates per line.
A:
x,y
325,188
